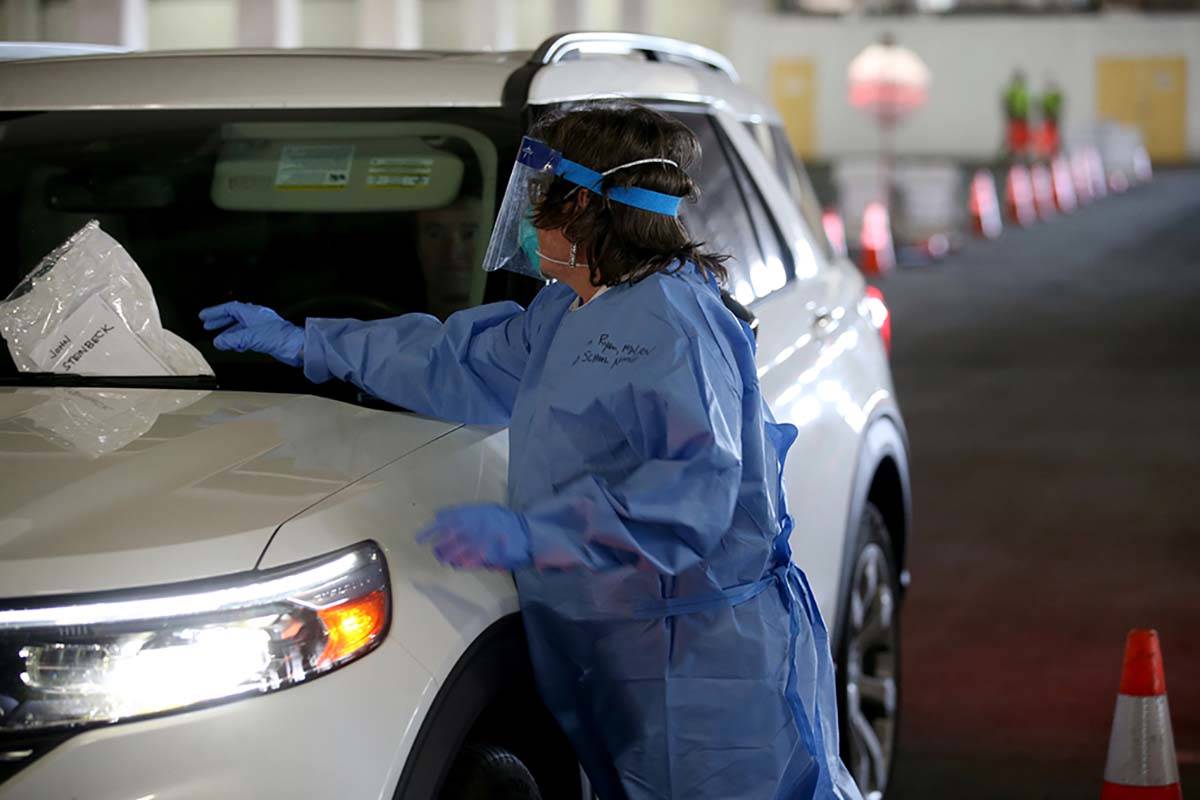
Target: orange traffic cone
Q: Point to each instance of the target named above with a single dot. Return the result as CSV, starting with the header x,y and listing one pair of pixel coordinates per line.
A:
x,y
1064,188
1018,195
985,205
1043,191
878,254
1141,752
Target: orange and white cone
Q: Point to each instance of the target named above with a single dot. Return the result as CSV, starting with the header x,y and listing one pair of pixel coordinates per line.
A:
x,y
1142,170
878,253
1018,195
1141,752
1043,191
1096,172
835,231
1064,188
985,205
1081,171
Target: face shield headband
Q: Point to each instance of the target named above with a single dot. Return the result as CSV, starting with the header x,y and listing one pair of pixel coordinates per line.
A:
x,y
513,242
645,199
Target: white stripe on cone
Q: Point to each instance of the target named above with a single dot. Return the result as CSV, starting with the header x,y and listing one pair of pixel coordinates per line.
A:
x,y
1141,751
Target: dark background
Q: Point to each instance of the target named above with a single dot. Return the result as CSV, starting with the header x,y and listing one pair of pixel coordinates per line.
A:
x,y
1050,382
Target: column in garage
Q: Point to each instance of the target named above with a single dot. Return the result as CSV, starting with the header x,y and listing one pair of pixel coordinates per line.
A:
x,y
119,22
268,23
488,24
389,23
22,22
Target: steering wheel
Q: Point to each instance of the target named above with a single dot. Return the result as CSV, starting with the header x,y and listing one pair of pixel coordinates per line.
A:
x,y
348,305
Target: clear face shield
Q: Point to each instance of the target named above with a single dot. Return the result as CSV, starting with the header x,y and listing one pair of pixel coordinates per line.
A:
x,y
514,242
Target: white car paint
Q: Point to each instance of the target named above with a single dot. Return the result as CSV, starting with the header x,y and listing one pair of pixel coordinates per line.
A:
x,y
202,484
218,79
439,611
195,489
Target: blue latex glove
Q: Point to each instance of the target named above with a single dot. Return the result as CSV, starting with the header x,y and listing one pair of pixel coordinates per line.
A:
x,y
255,328
488,536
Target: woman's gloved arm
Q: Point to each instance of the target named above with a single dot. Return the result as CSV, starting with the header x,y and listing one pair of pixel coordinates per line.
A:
x,y
258,329
466,369
683,415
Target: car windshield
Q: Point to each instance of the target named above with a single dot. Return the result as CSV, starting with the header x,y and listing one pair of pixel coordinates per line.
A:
x,y
363,214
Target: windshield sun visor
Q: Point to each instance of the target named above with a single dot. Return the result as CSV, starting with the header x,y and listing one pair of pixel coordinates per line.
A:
x,y
321,167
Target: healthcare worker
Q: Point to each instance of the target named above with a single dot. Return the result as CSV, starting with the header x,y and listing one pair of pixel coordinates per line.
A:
x,y
1016,115
1051,103
671,636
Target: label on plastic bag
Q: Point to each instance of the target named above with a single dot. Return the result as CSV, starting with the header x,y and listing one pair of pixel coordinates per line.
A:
x,y
314,166
399,172
94,340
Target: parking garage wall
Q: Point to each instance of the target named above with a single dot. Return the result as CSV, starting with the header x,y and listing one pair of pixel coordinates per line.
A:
x,y
971,59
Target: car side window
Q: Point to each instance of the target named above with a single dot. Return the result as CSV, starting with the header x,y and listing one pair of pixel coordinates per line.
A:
x,y
778,258
793,176
778,150
762,134
729,217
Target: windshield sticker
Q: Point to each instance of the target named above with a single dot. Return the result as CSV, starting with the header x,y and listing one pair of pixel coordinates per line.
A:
x,y
94,340
314,166
399,172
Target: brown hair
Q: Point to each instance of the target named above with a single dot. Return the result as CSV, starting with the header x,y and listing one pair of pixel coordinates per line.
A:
x,y
624,244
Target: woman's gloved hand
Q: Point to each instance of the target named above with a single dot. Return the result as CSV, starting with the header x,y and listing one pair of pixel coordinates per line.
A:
x,y
488,536
255,328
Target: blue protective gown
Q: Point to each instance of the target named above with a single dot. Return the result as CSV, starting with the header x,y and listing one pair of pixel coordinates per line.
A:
x,y
672,638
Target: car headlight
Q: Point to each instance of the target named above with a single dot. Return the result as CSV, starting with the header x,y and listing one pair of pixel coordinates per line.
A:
x,y
110,656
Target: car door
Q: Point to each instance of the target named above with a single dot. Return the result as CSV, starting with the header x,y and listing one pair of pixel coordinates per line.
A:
x,y
781,276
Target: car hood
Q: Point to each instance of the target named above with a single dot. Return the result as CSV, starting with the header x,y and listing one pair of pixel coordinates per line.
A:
x,y
116,488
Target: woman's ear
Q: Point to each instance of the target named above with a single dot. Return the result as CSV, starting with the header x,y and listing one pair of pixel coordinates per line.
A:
x,y
579,204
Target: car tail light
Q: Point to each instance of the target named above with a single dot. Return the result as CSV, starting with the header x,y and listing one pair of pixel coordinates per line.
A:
x,y
875,309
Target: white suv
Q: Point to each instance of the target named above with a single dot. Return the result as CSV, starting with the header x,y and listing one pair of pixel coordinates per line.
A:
x,y
209,587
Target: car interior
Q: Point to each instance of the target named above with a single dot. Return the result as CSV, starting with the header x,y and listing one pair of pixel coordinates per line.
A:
x,y
213,210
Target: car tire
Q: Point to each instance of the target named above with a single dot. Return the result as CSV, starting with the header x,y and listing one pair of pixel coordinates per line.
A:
x,y
868,659
484,772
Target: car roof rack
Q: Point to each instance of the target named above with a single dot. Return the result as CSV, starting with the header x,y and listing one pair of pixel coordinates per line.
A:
x,y
565,46
20,51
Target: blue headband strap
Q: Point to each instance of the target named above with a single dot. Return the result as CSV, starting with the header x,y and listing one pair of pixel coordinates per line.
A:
x,y
645,199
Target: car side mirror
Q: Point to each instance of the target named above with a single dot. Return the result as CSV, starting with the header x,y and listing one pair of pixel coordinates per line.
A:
x,y
740,311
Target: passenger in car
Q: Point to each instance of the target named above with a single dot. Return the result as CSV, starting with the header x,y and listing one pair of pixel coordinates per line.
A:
x,y
447,238
672,636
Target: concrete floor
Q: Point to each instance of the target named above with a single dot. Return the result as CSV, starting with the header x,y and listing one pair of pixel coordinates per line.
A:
x,y
1051,385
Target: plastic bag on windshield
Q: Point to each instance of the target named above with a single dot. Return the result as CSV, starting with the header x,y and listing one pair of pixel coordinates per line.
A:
x,y
87,309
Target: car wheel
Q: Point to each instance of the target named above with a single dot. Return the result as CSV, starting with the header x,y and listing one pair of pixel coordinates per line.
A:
x,y
869,659
484,772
